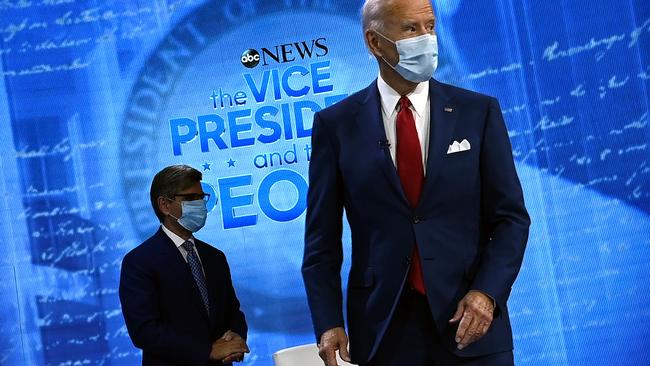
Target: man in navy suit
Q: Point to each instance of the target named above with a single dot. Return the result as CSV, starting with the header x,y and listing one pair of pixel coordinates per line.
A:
x,y
176,291
425,173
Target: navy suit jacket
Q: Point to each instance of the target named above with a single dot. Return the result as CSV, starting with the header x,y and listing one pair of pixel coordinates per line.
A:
x,y
471,226
162,305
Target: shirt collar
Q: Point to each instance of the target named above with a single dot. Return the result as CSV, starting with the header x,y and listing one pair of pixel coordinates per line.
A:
x,y
178,241
390,98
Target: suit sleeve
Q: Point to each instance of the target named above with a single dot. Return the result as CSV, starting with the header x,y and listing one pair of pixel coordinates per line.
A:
x,y
503,211
323,255
235,317
139,299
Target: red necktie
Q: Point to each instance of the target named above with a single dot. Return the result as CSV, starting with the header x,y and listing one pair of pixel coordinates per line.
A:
x,y
411,175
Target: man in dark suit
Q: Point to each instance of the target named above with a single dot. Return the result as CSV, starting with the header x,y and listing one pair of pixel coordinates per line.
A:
x,y
425,173
176,291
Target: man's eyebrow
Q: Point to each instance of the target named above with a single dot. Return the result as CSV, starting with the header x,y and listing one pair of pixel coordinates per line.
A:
x,y
406,24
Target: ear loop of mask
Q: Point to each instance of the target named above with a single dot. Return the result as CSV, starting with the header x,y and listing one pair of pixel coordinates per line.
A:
x,y
391,41
169,214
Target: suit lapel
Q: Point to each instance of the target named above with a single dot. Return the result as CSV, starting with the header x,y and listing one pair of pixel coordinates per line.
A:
x,y
441,128
370,119
173,257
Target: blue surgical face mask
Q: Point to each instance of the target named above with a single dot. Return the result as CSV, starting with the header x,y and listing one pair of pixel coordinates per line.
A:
x,y
193,215
418,57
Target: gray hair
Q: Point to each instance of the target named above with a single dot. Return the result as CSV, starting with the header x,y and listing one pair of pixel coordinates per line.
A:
x,y
170,181
372,14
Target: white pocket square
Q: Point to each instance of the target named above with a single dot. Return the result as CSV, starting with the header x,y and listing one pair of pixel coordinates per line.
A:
x,y
457,147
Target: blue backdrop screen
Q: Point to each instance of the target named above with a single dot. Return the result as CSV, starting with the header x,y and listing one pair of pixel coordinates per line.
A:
x,y
97,96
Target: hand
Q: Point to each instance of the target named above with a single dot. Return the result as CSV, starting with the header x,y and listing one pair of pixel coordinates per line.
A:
x,y
229,347
331,341
235,357
475,313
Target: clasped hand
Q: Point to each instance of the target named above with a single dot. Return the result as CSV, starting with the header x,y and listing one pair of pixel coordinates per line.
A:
x,y
231,347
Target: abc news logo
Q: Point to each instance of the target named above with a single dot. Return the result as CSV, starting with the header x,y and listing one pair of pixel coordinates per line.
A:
x,y
285,53
250,58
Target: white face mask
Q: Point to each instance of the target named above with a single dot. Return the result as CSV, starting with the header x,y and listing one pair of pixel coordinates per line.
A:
x,y
418,57
193,215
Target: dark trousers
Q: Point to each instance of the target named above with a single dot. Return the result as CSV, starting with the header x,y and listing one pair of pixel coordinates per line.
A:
x,y
412,339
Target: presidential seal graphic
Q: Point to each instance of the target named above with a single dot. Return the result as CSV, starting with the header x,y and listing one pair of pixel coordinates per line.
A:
x,y
238,104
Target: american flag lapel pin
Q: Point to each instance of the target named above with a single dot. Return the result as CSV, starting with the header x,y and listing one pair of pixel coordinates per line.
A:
x,y
449,109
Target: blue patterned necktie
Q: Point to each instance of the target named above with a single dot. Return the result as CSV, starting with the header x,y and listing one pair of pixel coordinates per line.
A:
x,y
197,272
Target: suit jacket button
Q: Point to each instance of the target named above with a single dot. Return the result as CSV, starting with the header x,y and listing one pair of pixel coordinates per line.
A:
x,y
416,219
407,260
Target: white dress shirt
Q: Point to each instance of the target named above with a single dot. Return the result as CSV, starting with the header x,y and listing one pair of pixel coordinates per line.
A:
x,y
420,103
178,241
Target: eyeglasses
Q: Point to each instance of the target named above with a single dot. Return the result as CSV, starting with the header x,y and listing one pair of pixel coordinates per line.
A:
x,y
194,196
